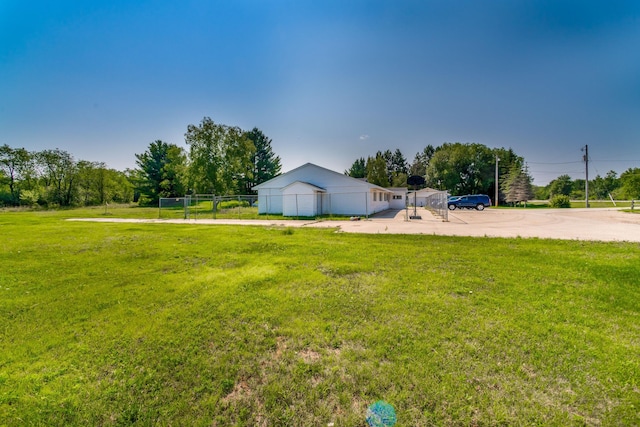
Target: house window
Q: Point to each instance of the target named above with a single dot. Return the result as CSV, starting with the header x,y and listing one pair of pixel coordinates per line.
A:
x,y
375,196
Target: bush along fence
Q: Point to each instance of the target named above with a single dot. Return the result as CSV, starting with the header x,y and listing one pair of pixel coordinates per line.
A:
x,y
208,206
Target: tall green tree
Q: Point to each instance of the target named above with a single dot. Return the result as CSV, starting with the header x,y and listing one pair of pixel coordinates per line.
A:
x,y
399,169
59,176
15,165
508,162
377,170
265,165
629,185
600,187
98,184
161,172
517,186
561,185
462,169
358,169
220,157
421,161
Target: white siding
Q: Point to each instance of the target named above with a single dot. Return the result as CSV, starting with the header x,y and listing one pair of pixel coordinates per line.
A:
x,y
270,201
343,195
299,199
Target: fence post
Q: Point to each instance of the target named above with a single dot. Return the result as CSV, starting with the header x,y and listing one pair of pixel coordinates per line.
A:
x,y
186,207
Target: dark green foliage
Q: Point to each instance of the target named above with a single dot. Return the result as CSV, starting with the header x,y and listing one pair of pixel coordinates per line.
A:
x,y
220,158
629,184
54,178
560,201
462,169
421,161
358,169
601,188
377,170
230,204
265,165
16,171
561,185
161,172
59,177
98,185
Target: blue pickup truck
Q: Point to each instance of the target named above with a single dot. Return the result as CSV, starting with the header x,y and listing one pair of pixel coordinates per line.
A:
x,y
471,201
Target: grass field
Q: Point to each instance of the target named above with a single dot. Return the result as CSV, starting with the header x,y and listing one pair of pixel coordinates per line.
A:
x,y
161,324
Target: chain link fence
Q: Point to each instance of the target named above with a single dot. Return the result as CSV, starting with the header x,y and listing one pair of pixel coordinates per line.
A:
x,y
437,204
298,206
317,205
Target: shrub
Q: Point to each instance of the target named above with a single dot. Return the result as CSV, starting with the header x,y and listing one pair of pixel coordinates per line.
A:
x,y
288,231
230,204
560,201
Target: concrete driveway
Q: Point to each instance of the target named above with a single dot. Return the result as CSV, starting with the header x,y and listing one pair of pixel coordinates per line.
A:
x,y
569,224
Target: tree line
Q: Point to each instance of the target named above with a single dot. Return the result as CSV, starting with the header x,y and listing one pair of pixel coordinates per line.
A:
x,y
471,169
54,178
455,167
623,187
220,159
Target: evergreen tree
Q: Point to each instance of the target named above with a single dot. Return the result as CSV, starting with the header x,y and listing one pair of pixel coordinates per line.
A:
x,y
265,165
358,169
161,172
398,163
421,161
517,186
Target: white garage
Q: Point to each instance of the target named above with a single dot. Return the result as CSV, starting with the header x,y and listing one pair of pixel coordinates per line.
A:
x,y
311,190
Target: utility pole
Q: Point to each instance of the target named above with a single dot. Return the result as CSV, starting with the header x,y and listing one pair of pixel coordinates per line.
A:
x,y
497,194
586,181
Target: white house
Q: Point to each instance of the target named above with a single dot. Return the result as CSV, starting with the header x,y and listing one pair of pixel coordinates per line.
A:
x,y
311,190
398,198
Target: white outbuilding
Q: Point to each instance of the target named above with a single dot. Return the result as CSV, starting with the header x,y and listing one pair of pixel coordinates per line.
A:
x,y
311,190
420,198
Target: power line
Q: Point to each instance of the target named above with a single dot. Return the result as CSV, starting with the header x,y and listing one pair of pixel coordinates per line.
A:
x,y
600,160
558,163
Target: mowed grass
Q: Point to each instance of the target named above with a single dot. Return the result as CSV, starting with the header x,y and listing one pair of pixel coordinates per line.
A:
x,y
165,324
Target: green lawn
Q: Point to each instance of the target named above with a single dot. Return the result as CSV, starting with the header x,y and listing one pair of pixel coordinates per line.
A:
x,y
161,324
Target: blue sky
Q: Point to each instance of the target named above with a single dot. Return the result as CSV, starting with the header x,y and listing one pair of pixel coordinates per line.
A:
x,y
328,81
